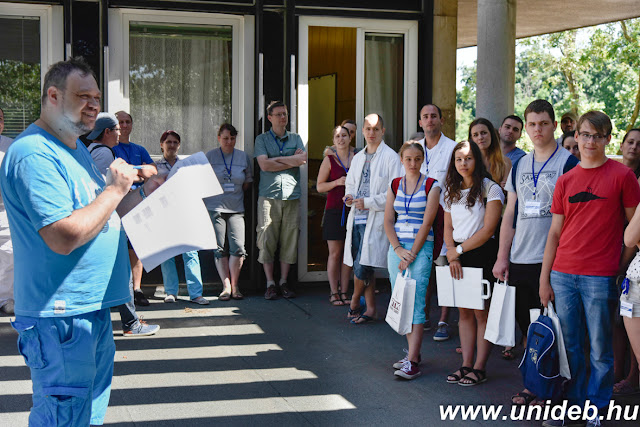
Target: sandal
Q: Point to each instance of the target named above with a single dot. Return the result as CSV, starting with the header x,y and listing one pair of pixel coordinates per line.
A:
x,y
624,388
224,296
237,295
345,299
507,354
464,370
481,376
362,319
527,398
334,299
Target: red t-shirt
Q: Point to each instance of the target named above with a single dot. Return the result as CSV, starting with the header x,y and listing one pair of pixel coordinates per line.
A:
x,y
592,202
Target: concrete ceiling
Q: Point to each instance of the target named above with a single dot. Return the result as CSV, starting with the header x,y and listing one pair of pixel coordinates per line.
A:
x,y
535,17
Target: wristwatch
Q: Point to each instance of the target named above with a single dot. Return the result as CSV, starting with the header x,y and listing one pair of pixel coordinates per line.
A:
x,y
459,250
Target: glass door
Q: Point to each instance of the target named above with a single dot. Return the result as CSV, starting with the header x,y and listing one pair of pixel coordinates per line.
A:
x,y
345,72
31,35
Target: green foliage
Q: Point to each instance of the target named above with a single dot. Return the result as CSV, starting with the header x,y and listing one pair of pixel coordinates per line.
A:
x,y
577,70
21,99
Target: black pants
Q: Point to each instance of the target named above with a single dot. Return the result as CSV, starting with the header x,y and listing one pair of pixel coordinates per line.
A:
x,y
526,279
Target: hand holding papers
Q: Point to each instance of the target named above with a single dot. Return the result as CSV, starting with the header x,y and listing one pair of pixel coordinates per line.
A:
x,y
174,219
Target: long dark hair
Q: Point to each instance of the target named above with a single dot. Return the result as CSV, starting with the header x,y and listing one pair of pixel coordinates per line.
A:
x,y
454,180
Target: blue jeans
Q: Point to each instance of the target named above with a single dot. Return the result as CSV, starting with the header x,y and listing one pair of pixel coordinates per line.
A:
x,y
420,270
191,272
362,272
591,301
71,363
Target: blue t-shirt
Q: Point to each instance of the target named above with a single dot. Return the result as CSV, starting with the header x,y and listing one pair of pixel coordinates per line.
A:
x,y
44,181
133,154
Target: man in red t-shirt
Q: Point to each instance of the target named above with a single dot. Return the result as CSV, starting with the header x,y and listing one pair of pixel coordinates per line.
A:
x,y
582,256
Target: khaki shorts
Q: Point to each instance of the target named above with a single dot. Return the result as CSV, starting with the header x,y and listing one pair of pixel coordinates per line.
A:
x,y
278,223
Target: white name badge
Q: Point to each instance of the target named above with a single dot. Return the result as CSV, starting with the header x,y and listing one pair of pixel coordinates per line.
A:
x,y
361,219
626,309
228,187
532,207
406,228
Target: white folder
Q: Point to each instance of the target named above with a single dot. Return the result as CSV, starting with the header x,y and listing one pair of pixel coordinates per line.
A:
x,y
469,292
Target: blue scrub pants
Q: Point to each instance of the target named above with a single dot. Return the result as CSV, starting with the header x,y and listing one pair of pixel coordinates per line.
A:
x,y
71,363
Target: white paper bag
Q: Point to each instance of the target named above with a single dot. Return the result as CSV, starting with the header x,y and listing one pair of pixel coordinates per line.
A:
x,y
534,313
469,292
400,310
501,322
562,351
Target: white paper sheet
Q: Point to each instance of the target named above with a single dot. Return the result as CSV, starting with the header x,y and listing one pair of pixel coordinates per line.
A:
x,y
174,219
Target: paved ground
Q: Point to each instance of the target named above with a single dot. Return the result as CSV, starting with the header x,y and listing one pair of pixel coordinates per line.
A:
x,y
284,362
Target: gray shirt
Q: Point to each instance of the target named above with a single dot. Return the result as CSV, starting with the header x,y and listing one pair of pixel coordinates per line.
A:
x,y
232,200
532,228
364,189
102,156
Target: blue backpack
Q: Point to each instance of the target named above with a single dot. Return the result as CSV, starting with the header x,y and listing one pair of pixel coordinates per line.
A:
x,y
540,365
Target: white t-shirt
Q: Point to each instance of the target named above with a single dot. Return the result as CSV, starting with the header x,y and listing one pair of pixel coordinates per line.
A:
x,y
466,221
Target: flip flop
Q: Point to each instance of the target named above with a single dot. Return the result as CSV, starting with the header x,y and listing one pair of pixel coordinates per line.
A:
x,y
354,314
526,397
225,296
365,319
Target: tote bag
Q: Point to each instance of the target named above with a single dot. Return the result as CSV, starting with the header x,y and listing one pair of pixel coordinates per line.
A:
x,y
400,310
501,322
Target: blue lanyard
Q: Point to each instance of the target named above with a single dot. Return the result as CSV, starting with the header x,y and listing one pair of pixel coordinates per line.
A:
x,y
426,156
408,204
276,140
348,158
228,168
625,286
533,171
346,170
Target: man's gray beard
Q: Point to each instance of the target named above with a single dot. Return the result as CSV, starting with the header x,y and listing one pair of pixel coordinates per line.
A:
x,y
75,128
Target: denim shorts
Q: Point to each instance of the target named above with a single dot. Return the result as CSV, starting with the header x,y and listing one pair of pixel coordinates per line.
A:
x,y
71,363
362,272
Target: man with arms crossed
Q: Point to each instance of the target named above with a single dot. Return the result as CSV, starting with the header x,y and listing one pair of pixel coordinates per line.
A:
x,y
135,155
438,149
530,188
366,243
582,258
510,132
279,154
70,251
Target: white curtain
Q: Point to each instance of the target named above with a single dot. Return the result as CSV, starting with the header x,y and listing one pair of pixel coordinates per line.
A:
x,y
179,79
384,83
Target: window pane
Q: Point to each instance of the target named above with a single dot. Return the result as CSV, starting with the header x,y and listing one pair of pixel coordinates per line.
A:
x,y
179,79
384,82
19,72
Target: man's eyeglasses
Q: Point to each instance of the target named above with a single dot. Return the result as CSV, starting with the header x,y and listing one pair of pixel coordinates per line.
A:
x,y
279,114
588,137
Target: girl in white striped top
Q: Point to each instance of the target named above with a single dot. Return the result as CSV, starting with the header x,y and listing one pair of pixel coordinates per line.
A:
x,y
411,239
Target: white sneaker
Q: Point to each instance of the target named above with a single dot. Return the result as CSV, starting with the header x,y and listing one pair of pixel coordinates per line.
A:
x,y
170,298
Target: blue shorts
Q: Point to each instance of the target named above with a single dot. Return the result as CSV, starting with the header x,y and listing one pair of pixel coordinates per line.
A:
x,y
362,272
71,363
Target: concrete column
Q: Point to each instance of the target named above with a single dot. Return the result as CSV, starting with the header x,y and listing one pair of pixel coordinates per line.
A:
x,y
496,59
445,41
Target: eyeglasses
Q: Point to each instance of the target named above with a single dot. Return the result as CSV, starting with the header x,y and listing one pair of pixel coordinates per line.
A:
x,y
588,137
279,114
